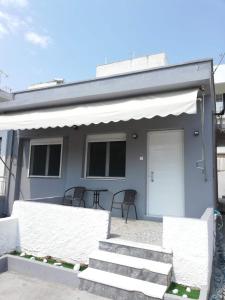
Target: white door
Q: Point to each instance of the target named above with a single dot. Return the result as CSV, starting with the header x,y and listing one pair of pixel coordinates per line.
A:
x,y
165,173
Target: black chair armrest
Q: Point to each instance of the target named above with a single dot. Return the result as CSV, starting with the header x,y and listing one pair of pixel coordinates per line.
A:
x,y
71,188
118,192
115,194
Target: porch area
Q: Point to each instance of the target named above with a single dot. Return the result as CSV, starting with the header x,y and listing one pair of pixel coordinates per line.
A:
x,y
140,231
114,157
91,236
151,154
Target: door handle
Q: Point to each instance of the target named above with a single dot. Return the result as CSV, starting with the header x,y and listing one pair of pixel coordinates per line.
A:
x,y
152,176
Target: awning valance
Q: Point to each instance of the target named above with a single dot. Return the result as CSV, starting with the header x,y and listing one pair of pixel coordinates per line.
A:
x,y
173,103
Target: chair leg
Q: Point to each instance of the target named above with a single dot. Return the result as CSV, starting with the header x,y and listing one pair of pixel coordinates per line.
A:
x,y
82,203
122,210
135,211
127,212
111,207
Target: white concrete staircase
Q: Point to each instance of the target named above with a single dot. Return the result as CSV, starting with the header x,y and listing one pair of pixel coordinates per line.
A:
x,y
125,270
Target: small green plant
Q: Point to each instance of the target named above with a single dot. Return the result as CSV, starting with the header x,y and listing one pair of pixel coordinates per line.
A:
x,y
50,260
192,293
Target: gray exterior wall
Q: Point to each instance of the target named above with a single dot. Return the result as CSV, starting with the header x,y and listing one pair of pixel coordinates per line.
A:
x,y
199,194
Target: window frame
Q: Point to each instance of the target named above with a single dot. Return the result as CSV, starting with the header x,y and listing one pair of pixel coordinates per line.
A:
x,y
105,138
221,96
47,142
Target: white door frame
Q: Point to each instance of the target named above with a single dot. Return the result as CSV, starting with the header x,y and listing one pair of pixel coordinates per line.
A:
x,y
148,170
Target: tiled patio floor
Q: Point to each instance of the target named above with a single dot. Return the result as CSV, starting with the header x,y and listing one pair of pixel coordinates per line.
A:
x,y
137,231
15,286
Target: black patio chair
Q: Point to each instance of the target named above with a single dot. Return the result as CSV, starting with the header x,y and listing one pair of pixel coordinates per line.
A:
x,y
128,200
74,196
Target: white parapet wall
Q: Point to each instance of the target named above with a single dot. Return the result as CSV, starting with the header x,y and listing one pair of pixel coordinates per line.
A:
x,y
69,233
8,234
192,243
131,65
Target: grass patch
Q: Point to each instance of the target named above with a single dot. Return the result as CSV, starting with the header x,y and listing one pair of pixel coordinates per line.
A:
x,y
67,265
193,294
50,260
83,267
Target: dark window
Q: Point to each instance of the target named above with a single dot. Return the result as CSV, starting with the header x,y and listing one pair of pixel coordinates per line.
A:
x,y
117,159
38,159
45,160
54,160
106,159
97,159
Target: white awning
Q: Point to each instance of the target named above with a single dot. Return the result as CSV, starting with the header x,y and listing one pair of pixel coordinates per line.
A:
x,y
162,105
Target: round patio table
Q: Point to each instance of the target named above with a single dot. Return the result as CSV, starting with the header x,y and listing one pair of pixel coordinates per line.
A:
x,y
96,196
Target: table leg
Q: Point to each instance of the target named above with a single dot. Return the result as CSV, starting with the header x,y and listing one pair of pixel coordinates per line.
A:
x,y
94,200
98,201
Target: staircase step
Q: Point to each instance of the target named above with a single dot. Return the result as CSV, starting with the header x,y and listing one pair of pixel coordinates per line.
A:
x,y
140,250
119,287
139,268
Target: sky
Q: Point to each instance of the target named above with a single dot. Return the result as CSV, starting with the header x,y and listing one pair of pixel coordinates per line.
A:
x,y
45,39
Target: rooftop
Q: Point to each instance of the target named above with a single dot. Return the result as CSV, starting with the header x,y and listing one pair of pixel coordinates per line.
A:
x,y
148,81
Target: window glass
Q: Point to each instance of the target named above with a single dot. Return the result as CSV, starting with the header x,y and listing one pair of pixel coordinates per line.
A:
x,y
106,159
117,159
54,160
96,159
38,159
45,160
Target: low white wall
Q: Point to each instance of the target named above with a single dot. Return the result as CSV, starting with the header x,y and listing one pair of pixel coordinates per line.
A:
x,y
8,234
221,185
65,232
192,242
208,216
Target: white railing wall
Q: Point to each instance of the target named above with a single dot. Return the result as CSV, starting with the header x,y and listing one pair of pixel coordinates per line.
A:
x,y
66,232
192,243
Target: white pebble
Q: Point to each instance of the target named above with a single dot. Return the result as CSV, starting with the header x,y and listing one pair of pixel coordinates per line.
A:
x,y
188,290
32,258
76,267
22,254
175,291
45,260
185,296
